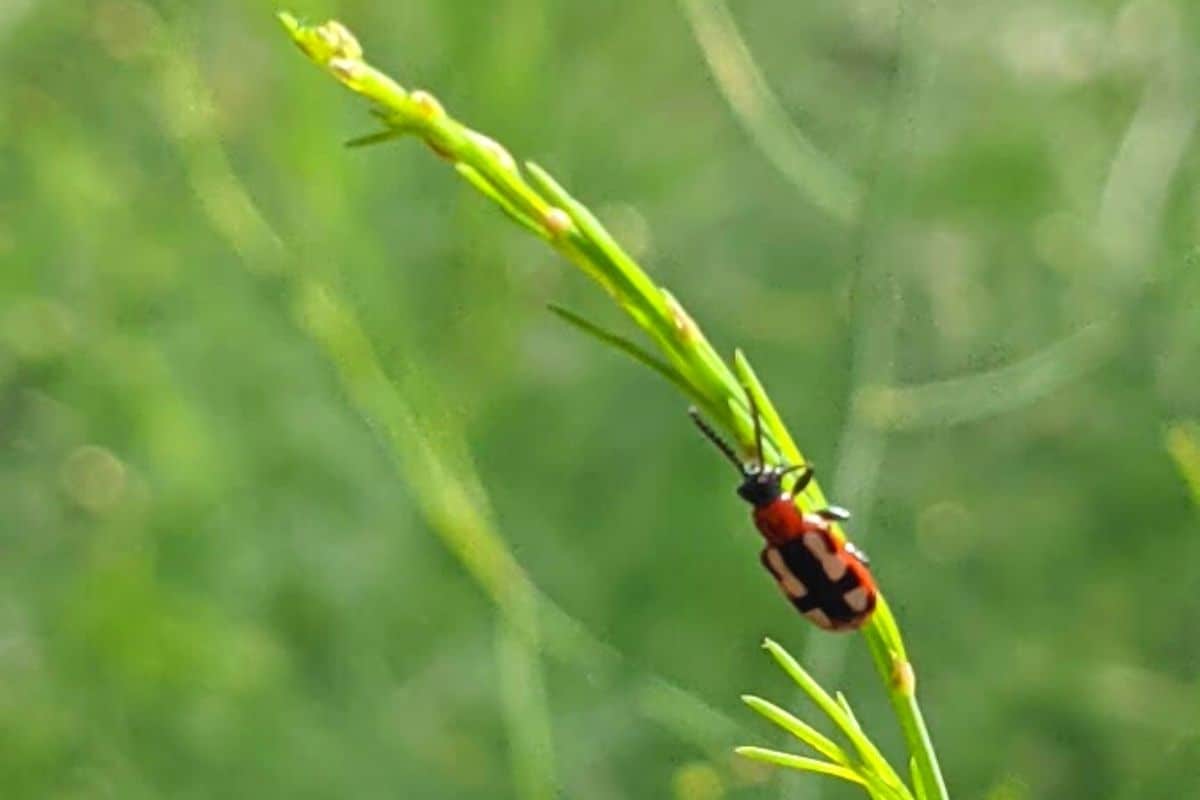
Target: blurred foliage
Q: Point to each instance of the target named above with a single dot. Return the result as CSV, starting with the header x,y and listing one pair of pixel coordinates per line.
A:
x,y
216,582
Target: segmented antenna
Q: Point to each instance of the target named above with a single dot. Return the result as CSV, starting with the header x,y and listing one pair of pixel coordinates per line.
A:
x,y
758,442
758,438
713,437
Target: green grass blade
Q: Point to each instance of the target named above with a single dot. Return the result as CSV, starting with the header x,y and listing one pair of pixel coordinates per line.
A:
x,y
526,713
716,376
485,187
379,137
625,346
817,176
845,705
865,748
801,730
918,780
635,281
801,763
1183,445
813,497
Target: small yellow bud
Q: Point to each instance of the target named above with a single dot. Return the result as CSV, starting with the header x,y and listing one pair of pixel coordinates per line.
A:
x,y
426,104
904,678
496,149
441,151
557,222
340,41
347,70
685,326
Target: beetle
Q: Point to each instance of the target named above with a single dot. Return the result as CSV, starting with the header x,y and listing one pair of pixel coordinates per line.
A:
x,y
828,580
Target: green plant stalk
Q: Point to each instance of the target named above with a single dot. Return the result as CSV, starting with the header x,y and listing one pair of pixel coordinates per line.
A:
x,y
870,765
541,205
801,763
393,415
1183,445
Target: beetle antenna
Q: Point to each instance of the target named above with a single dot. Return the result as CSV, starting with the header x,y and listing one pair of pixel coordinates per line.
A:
x,y
715,438
758,436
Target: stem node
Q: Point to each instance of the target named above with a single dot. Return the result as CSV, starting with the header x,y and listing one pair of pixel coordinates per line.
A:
x,y
427,105
557,222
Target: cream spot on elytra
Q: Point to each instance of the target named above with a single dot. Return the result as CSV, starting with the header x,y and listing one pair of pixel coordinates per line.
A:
x,y
834,567
790,583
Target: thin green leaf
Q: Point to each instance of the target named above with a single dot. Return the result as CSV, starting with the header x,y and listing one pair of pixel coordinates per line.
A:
x,y
917,779
806,682
867,750
1183,445
521,683
375,138
687,336
485,187
639,285
954,401
798,728
912,722
813,497
651,308
625,346
879,787
801,763
760,112
882,771
884,628
845,704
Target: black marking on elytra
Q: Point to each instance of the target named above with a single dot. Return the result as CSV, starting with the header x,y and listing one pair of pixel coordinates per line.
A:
x,y
824,594
848,582
806,603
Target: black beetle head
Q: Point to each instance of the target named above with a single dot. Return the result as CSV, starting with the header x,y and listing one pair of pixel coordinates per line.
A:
x,y
760,487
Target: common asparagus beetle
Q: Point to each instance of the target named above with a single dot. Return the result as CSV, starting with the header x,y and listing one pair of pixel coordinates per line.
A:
x,y
826,579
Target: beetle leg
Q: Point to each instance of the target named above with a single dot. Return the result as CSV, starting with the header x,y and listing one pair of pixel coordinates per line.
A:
x,y
806,476
834,514
853,550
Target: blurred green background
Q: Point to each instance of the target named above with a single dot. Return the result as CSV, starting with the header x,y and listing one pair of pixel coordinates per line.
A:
x,y
221,578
